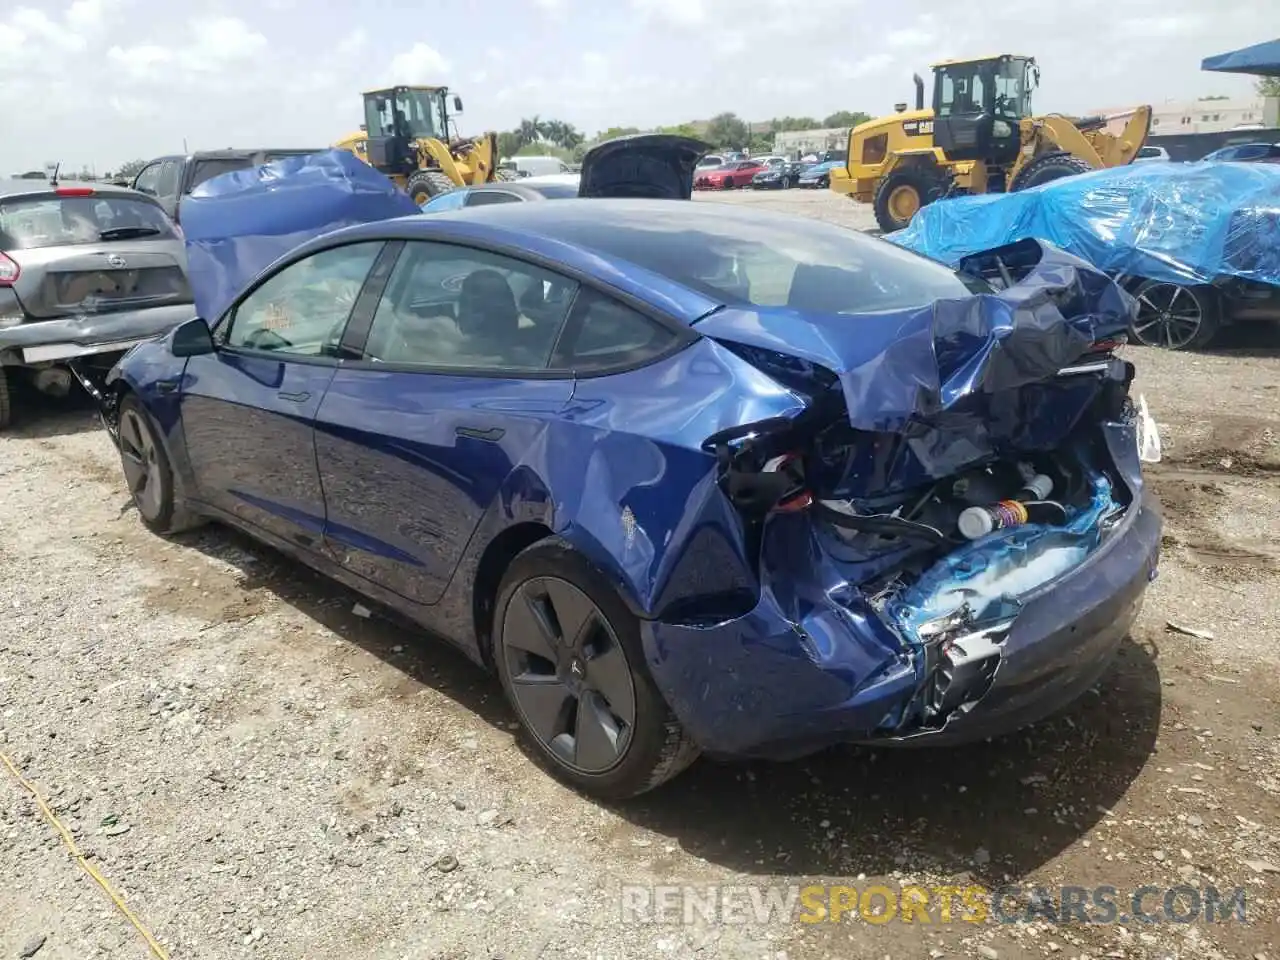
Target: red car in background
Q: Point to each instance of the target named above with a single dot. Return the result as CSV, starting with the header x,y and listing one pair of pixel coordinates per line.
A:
x,y
736,173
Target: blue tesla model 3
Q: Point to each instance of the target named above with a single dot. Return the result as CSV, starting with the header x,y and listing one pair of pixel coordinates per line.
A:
x,y
687,477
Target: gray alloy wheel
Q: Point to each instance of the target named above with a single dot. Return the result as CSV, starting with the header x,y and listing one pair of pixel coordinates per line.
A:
x,y
1171,316
570,679
143,471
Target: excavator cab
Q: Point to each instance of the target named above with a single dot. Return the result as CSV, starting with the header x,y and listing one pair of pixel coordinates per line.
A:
x,y
977,106
396,118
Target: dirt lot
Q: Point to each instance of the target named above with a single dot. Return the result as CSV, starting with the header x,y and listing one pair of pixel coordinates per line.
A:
x,y
262,773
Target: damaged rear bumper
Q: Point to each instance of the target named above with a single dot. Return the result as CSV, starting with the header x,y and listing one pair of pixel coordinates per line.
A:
x,y
69,338
763,686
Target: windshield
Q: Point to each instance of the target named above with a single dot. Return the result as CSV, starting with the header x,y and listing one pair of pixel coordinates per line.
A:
x,y
752,259
53,221
1013,92
418,110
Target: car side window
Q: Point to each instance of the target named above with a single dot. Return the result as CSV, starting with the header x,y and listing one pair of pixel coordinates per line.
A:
x,y
450,200
480,198
604,333
167,187
447,306
302,309
148,179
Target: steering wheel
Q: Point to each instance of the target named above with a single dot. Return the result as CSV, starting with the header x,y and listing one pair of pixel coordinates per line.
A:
x,y
264,339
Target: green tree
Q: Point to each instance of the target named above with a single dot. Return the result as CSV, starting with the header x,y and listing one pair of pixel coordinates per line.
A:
x,y
509,143
613,132
530,130
787,124
571,137
130,169
681,130
1269,87
846,118
729,131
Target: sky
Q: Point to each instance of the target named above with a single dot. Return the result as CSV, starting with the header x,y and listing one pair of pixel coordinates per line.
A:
x,y
99,82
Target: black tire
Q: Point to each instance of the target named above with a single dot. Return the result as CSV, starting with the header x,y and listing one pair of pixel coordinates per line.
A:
x,y
6,408
558,592
148,473
1052,166
422,185
925,185
824,182
1175,317
727,183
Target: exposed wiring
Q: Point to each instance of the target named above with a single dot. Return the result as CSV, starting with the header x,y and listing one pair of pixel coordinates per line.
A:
x,y
71,845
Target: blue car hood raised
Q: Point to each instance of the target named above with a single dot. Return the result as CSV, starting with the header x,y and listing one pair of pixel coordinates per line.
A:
x,y
946,374
239,223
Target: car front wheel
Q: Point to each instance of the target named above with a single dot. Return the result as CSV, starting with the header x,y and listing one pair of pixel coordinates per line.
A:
x,y
569,656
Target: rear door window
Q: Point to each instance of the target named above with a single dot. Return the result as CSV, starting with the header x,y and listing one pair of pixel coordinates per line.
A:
x,y
53,221
213,167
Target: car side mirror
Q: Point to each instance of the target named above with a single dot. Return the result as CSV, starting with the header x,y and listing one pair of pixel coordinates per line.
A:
x,y
192,339
457,104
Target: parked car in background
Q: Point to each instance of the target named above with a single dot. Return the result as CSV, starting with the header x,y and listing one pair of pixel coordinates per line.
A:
x,y
169,179
729,176
710,162
535,166
1195,243
1246,153
1149,153
774,176
817,174
86,271
552,187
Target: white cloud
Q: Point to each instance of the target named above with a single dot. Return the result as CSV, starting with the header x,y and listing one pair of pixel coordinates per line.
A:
x,y
680,13
117,79
420,64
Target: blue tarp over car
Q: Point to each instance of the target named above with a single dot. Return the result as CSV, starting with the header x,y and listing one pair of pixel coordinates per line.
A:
x,y
1174,222
237,224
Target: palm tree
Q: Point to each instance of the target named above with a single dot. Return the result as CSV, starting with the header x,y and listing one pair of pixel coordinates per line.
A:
x,y
553,130
570,137
530,130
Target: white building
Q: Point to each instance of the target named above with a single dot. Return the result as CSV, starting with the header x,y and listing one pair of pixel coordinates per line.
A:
x,y
798,143
1174,117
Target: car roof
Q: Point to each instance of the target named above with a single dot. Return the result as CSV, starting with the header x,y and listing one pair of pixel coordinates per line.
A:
x,y
16,188
559,234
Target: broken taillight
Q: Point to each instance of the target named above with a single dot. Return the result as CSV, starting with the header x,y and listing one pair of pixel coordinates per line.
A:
x,y
9,271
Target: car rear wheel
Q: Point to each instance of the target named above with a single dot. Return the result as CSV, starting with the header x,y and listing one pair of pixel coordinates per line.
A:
x,y
569,656
1174,316
148,474
728,183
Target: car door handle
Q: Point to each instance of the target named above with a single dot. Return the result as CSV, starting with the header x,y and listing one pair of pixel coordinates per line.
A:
x,y
302,397
493,434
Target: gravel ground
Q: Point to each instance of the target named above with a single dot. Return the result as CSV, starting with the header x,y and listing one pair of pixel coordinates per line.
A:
x,y
262,773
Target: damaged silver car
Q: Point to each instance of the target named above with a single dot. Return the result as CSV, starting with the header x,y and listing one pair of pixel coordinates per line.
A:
x,y
87,270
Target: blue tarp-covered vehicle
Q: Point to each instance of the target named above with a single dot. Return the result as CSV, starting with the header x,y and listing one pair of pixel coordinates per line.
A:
x,y
1197,244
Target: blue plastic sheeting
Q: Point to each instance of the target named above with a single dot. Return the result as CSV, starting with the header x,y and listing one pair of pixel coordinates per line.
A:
x,y
239,223
1262,59
1175,222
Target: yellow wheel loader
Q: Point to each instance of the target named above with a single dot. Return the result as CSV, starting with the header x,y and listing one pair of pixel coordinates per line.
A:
x,y
980,136
406,136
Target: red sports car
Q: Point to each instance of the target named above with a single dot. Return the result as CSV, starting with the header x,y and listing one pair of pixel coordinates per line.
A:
x,y
737,173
